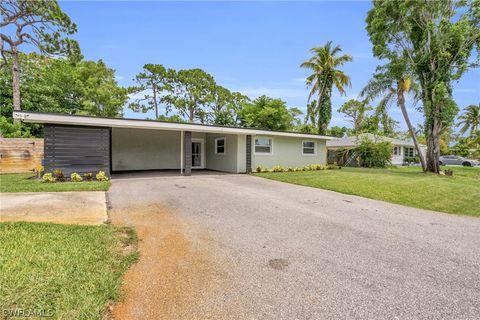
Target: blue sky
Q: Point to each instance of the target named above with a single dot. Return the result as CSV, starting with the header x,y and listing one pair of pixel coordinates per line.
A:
x,y
251,47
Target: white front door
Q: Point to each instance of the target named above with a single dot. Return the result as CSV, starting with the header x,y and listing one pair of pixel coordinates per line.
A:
x,y
198,154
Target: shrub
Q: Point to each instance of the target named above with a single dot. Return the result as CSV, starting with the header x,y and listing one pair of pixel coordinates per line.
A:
x,y
258,169
75,177
374,155
412,160
58,175
290,169
278,169
48,177
101,176
88,176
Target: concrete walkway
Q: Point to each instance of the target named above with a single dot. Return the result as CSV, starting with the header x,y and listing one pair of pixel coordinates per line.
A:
x,y
242,247
56,207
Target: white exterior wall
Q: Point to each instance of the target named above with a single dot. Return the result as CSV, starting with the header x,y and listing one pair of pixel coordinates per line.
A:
x,y
143,149
146,149
287,152
221,162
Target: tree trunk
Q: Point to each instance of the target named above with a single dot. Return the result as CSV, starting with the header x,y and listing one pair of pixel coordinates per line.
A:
x,y
401,103
192,115
16,80
433,146
155,104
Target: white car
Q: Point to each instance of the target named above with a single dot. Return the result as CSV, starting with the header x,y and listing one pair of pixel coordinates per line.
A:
x,y
458,160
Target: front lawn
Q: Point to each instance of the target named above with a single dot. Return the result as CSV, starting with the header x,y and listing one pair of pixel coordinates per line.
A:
x,y
26,182
408,186
62,271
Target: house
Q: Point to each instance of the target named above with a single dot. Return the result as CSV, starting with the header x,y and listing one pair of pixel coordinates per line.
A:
x,y
82,144
402,149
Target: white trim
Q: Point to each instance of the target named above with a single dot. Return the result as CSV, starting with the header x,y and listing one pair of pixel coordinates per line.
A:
x,y
314,154
263,153
202,153
224,146
35,117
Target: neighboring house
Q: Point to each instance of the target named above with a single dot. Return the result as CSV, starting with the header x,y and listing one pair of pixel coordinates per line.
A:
x,y
402,149
89,144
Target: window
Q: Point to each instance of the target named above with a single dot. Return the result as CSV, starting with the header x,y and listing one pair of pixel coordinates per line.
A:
x,y
409,152
308,148
396,151
263,145
220,146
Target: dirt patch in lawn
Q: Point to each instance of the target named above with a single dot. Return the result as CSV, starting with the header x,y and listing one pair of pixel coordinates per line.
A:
x,y
177,272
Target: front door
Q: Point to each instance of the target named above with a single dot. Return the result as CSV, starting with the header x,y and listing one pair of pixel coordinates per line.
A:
x,y
197,154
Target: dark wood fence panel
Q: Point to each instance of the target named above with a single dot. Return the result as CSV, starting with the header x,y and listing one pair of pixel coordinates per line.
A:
x,y
77,149
20,154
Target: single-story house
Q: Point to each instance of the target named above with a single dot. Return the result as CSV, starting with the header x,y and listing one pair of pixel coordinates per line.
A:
x,y
402,149
75,143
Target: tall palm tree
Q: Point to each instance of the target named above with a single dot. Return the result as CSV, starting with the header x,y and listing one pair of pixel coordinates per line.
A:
x,y
470,119
392,82
325,74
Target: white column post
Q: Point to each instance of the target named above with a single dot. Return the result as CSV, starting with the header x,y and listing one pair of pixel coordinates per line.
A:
x,y
181,152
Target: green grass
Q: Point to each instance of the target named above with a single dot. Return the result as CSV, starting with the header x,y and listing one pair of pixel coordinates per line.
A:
x,y
73,270
408,186
26,182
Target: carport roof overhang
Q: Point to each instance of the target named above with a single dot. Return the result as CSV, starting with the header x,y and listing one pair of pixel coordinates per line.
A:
x,y
77,120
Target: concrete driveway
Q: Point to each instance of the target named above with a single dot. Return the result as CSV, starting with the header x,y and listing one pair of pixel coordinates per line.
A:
x,y
241,247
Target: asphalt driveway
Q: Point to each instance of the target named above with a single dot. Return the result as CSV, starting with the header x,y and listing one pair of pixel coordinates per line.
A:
x,y
240,247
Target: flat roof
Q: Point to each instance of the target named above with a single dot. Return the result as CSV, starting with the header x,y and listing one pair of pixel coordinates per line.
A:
x,y
79,120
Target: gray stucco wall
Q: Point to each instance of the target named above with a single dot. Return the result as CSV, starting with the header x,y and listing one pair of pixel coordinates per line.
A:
x,y
287,152
222,162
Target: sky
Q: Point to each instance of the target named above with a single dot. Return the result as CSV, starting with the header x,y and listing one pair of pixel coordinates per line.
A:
x,y
251,47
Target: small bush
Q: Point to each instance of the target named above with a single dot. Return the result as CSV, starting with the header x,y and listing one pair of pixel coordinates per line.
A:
x,y
48,177
290,169
278,169
59,176
258,169
88,176
101,176
75,177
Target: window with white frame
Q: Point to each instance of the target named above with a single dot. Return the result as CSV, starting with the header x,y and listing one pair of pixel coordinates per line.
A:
x,y
308,148
396,151
263,145
220,145
409,152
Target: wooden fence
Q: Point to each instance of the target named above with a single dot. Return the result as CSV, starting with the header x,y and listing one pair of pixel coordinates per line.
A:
x,y
20,154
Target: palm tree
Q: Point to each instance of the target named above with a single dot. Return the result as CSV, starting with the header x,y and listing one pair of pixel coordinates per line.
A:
x,y
324,64
392,82
470,119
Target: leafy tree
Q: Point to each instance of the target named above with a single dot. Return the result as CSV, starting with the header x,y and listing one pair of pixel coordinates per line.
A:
x,y
56,85
325,74
151,82
172,118
39,23
13,130
437,38
224,107
336,131
267,113
191,93
470,119
392,82
356,112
